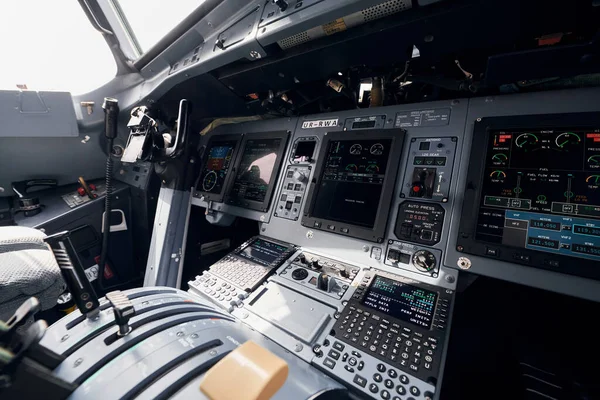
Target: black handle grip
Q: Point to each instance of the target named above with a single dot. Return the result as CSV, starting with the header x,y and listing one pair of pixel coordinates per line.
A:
x,y
82,290
111,115
23,313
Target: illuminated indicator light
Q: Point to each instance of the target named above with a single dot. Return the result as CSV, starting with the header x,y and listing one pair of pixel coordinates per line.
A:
x,y
416,189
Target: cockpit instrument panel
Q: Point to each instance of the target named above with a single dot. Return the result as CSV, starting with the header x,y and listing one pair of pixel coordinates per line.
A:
x,y
355,181
256,170
536,196
219,156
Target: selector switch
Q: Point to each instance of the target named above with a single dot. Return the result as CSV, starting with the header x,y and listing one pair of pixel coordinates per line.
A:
x,y
423,181
323,282
424,261
314,263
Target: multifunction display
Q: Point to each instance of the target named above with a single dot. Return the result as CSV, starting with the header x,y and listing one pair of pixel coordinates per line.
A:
x,y
402,301
541,191
352,181
263,252
217,166
256,169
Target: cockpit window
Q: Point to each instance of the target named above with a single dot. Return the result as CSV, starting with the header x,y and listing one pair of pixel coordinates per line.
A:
x,y
51,45
151,20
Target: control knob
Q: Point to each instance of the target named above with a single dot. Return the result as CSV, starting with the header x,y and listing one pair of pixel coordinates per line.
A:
x,y
282,4
302,258
344,273
314,263
323,282
300,176
299,274
424,261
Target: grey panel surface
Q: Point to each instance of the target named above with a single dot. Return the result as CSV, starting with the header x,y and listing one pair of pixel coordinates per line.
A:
x,y
313,14
61,158
290,311
31,113
580,100
359,252
169,234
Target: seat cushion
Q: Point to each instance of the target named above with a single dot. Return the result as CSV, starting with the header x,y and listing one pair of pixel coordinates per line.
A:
x,y
27,268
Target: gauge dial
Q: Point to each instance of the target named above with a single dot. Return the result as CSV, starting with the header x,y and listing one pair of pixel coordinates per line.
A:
x,y
594,160
499,158
372,168
564,140
351,167
593,179
498,174
209,182
526,140
377,149
356,149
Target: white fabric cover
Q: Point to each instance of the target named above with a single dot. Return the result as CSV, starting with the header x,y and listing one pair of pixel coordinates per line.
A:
x,y
27,268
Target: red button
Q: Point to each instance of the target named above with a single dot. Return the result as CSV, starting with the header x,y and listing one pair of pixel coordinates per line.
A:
x,y
416,189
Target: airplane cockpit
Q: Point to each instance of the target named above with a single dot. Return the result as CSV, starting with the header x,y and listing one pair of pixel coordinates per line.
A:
x,y
300,199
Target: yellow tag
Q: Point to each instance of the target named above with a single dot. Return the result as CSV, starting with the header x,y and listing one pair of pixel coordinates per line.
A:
x,y
334,26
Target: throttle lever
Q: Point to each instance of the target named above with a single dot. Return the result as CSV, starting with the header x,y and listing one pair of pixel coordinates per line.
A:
x,y
77,282
123,310
15,351
8,329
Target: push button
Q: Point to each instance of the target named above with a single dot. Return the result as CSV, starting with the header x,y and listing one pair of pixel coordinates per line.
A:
x,y
360,381
329,363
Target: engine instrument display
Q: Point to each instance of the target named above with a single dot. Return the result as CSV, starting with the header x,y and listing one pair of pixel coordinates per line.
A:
x,y
352,181
538,187
355,181
539,191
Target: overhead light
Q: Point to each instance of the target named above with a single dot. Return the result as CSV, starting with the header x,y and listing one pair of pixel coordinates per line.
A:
x,y
340,74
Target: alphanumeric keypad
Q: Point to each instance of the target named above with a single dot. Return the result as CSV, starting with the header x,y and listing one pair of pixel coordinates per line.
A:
x,y
397,344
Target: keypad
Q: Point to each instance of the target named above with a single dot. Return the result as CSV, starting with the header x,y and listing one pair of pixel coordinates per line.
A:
x,y
397,344
209,285
379,379
243,274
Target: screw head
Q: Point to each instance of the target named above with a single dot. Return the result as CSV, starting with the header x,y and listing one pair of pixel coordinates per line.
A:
x,y
78,362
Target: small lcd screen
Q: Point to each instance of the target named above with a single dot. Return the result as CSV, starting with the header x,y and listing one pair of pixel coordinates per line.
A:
x,y
402,301
304,150
363,124
351,183
256,169
262,251
217,166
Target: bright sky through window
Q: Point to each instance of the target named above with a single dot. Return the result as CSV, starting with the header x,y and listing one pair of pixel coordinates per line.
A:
x,y
51,45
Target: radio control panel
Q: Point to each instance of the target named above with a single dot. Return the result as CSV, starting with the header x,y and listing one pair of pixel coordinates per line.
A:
x,y
321,274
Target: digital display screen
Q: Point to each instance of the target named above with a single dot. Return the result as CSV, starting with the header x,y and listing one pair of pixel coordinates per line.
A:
x,y
256,169
351,183
541,191
217,166
402,301
262,251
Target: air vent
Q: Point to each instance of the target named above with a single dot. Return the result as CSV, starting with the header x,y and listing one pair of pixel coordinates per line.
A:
x,y
384,9
295,40
341,24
